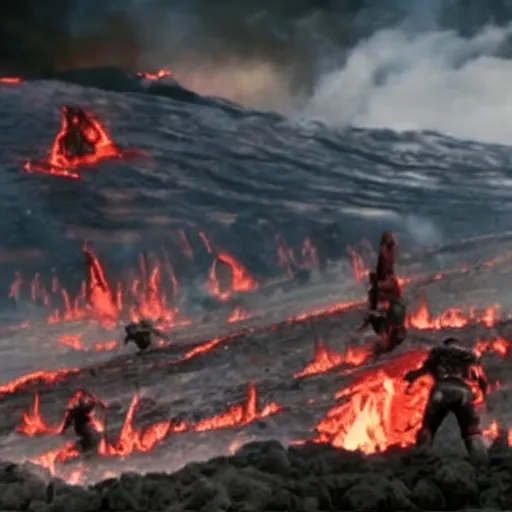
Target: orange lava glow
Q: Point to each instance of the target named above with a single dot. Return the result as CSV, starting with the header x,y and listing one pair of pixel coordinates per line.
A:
x,y
237,315
452,318
241,280
48,377
33,424
379,409
59,164
142,297
161,73
499,346
75,341
326,359
133,439
11,80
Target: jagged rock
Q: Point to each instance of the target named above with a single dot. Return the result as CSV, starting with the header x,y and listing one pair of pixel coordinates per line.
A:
x,y
374,492
241,487
337,486
38,506
203,492
427,495
457,481
118,497
318,478
269,456
12,496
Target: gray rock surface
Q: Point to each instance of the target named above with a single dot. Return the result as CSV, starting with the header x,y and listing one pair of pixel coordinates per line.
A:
x,y
265,476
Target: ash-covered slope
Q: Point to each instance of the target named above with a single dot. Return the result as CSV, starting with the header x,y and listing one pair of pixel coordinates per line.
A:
x,y
266,476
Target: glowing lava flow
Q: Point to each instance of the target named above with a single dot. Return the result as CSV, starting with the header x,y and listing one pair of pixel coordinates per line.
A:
x,y
33,424
152,293
161,73
240,279
133,439
451,318
60,162
380,410
11,80
47,377
326,359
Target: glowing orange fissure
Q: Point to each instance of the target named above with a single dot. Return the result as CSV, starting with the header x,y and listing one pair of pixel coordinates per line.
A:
x,y
134,439
59,164
379,409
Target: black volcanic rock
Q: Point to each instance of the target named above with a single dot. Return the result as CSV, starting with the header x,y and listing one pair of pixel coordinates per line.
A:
x,y
265,476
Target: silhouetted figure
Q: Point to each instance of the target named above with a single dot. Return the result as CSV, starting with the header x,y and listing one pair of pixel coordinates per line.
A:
x,y
453,368
80,134
141,333
79,415
387,311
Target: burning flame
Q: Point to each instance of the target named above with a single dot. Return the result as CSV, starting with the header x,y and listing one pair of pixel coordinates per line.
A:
x,y
132,439
451,318
161,73
59,164
379,409
241,280
11,80
326,359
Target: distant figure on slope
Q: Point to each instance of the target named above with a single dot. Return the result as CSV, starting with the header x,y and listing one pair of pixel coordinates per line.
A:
x,y
387,310
141,333
80,135
459,380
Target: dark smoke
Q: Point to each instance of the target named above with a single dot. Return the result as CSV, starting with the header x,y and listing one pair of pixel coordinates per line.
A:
x,y
293,41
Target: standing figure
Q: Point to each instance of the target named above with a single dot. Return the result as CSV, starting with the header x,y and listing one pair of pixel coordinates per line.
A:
x,y
79,415
80,136
387,310
454,370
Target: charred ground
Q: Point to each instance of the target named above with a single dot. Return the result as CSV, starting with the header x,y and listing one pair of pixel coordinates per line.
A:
x,y
199,387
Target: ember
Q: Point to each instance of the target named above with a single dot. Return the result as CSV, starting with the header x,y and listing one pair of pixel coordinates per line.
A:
x,y
326,359
81,141
161,73
240,280
11,80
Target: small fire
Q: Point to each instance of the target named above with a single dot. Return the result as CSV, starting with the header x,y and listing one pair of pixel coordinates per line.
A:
x,y
48,377
161,73
11,80
325,359
379,409
153,293
454,318
75,341
60,164
240,279
133,439
500,346
33,424
237,315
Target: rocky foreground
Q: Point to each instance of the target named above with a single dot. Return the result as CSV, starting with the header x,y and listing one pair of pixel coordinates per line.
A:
x,y
267,477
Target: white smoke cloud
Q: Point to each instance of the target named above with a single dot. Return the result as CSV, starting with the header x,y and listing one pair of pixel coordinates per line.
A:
x,y
431,81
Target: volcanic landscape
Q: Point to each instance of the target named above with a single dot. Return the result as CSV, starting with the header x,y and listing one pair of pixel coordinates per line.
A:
x,y
272,363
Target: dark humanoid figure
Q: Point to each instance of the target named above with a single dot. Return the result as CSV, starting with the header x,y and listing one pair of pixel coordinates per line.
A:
x,y
387,310
80,135
79,415
453,369
141,333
